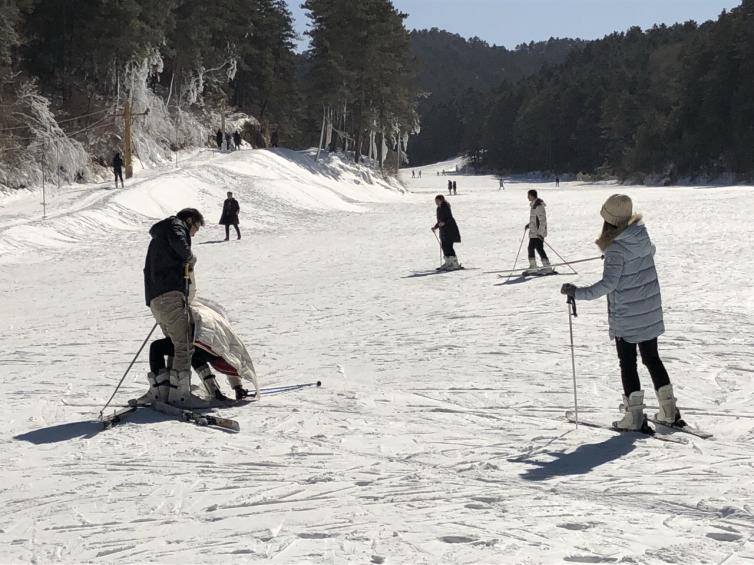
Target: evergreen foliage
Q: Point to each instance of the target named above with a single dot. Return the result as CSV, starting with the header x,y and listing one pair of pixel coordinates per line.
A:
x,y
661,105
360,71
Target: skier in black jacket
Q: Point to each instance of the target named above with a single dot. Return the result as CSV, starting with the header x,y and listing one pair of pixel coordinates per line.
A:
x,y
166,288
449,234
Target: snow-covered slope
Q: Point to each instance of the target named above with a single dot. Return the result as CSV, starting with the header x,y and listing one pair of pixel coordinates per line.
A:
x,y
438,435
276,186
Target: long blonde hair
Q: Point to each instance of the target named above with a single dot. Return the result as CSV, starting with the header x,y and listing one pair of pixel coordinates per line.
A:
x,y
610,232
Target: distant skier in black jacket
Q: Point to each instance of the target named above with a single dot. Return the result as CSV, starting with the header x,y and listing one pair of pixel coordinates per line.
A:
x,y
118,170
449,234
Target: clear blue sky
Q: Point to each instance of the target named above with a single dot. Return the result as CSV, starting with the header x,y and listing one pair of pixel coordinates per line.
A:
x,y
511,22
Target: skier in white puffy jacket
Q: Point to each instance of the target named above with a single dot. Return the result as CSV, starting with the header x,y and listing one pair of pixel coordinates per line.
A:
x,y
634,307
537,227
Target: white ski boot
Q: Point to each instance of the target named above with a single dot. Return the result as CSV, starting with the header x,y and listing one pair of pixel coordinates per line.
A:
x,y
453,264
445,264
669,414
533,269
210,384
159,387
180,391
633,419
546,268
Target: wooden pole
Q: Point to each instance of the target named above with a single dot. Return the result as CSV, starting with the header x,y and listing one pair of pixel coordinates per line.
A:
x,y
127,138
222,127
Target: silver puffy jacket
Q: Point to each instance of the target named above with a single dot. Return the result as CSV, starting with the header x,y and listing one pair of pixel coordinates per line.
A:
x,y
629,280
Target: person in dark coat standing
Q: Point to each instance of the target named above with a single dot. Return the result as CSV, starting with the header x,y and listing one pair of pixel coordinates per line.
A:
x,y
450,187
167,267
449,234
219,139
275,138
229,216
455,188
237,139
118,170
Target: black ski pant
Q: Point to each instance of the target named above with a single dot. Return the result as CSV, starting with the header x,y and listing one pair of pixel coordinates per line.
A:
x,y
538,245
447,248
227,231
161,348
651,359
118,175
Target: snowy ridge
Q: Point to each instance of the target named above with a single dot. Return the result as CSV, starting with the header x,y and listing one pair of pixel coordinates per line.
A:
x,y
274,187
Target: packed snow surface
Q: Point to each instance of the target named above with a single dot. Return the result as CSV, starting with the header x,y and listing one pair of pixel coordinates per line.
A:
x,y
438,435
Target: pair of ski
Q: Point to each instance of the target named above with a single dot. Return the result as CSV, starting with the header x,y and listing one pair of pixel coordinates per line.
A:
x,y
183,414
510,272
669,437
198,418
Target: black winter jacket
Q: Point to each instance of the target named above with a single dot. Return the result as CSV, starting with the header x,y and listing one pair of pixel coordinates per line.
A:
x,y
169,251
449,231
229,216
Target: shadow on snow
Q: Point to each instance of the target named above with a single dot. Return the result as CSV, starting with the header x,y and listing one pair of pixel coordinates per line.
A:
x,y
583,460
86,429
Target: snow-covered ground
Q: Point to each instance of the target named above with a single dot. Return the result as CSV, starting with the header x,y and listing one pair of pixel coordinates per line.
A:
x,y
438,435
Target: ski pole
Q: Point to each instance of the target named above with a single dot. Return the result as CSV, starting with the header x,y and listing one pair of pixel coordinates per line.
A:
x,y
189,337
127,370
442,253
285,388
571,302
561,258
520,246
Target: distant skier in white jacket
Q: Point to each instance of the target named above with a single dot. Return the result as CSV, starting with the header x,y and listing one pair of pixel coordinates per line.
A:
x,y
537,227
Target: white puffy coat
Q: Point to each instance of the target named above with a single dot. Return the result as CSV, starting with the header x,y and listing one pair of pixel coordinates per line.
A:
x,y
212,332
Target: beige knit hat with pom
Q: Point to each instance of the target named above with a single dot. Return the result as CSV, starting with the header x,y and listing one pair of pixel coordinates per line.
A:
x,y
617,210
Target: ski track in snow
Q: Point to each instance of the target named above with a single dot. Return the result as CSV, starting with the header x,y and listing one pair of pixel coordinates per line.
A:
x,y
438,435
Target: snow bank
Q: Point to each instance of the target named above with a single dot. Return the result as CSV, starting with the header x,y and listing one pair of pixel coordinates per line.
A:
x,y
274,187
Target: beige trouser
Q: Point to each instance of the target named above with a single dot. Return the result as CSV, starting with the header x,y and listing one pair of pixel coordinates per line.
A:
x,y
170,311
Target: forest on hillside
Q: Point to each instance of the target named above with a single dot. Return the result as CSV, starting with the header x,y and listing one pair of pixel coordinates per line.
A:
x,y
68,67
659,105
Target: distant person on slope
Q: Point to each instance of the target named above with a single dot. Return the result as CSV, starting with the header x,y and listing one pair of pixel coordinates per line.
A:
x,y
634,310
537,227
237,140
455,188
449,234
167,289
450,187
219,139
229,216
502,184
118,170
